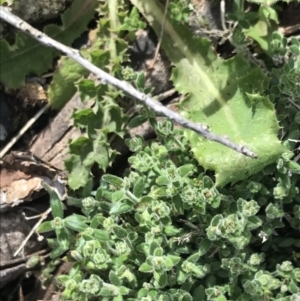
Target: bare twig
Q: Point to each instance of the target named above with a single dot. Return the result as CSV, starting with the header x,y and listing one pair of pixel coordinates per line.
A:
x,y
24,128
42,216
292,101
222,8
201,129
160,36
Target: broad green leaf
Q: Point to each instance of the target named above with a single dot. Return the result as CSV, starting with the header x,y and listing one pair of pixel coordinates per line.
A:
x,y
57,252
45,227
184,170
161,278
175,259
146,268
56,205
153,246
162,180
199,293
123,290
55,202
107,292
220,94
113,180
29,56
114,279
204,246
76,222
88,188
138,187
120,232
193,258
137,120
101,235
120,207
63,238
118,195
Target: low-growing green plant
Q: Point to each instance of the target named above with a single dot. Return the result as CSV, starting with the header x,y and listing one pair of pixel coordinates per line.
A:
x,y
164,232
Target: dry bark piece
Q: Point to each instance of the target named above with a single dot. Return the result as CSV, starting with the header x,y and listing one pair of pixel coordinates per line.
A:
x,y
21,179
52,143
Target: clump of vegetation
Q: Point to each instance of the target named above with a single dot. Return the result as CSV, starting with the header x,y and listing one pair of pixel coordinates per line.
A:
x,y
168,229
164,232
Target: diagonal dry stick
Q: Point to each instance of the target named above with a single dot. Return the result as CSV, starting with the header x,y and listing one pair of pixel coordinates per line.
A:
x,y
199,128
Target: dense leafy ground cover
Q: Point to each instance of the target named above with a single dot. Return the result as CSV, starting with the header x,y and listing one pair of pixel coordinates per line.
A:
x,y
189,219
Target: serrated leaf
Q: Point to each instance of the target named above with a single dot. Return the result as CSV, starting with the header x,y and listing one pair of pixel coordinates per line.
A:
x,y
217,96
28,56
84,153
62,87
87,89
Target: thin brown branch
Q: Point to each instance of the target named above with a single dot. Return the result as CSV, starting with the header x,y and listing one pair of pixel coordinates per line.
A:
x,y
160,36
201,129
